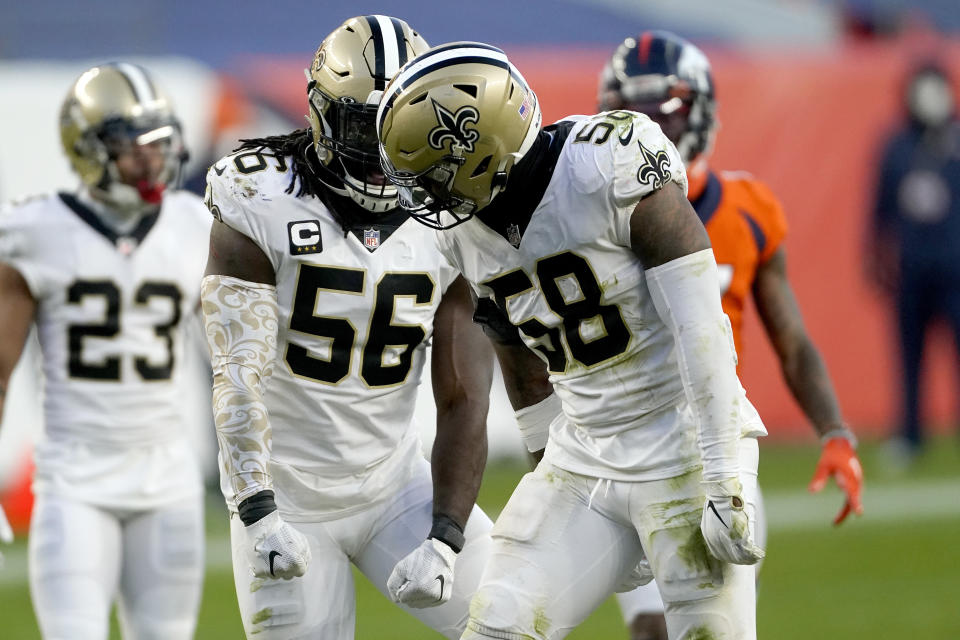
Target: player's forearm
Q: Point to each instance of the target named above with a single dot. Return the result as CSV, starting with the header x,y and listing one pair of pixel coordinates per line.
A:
x,y
685,293
806,376
240,320
458,458
525,377
243,430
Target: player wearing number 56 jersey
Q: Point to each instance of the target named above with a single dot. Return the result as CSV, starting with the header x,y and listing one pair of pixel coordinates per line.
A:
x,y
110,275
321,299
581,236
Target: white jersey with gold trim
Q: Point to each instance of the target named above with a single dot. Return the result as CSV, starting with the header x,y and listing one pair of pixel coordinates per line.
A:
x,y
355,317
577,292
111,311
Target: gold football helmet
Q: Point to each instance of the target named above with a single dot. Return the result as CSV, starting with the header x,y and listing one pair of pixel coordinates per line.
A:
x,y
452,124
350,70
112,109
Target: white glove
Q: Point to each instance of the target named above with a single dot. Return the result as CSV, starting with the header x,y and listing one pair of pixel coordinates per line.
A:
x,y
275,549
6,533
726,526
425,577
642,574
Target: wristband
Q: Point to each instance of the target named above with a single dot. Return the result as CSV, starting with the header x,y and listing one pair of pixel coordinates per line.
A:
x,y
840,432
256,507
447,531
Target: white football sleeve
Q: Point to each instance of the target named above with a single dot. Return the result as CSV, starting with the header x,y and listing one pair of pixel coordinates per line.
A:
x,y
686,294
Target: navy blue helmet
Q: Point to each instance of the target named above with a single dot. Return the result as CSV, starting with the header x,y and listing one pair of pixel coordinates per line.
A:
x,y
669,79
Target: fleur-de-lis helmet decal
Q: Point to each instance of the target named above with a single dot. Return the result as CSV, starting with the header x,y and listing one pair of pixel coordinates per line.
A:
x,y
453,127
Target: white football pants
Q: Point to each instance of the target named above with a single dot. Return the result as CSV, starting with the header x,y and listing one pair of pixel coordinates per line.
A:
x,y
321,604
83,556
565,541
646,600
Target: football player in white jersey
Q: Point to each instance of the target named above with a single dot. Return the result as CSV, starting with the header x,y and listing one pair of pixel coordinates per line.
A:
x,y
110,275
320,300
583,238
669,79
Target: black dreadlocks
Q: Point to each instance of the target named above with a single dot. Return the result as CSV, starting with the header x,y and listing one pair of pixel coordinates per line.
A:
x,y
295,144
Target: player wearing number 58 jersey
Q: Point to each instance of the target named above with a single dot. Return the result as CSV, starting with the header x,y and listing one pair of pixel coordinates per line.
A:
x,y
321,299
581,236
669,79
110,275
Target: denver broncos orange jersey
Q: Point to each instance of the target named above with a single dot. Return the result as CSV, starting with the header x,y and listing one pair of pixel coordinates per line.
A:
x,y
746,225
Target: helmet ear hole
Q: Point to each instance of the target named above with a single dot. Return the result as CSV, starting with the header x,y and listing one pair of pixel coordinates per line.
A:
x,y
482,167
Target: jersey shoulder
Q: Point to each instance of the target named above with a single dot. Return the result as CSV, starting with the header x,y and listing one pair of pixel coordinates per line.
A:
x,y
30,207
624,152
28,224
752,197
240,183
188,208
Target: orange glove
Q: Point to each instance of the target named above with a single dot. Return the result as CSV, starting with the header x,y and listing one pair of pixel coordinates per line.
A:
x,y
839,459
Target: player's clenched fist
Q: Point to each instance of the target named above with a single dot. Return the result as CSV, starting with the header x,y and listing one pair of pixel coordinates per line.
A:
x,y
425,577
726,526
274,548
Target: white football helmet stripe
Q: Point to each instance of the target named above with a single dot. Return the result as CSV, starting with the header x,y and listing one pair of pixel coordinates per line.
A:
x,y
391,46
142,87
440,55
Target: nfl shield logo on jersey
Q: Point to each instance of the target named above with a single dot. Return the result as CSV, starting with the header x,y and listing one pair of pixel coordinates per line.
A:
x,y
371,238
126,245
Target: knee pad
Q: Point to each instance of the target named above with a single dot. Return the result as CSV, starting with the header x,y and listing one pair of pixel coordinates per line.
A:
x,y
684,568
498,612
275,604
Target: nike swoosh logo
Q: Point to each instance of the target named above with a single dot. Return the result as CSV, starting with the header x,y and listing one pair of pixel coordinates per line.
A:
x,y
626,140
716,513
440,578
219,170
273,556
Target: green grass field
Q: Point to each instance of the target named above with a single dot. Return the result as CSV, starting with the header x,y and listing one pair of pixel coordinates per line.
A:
x,y
894,573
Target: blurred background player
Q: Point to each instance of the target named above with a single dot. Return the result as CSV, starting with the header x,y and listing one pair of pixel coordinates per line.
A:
x,y
111,276
669,79
6,532
914,253
320,300
581,235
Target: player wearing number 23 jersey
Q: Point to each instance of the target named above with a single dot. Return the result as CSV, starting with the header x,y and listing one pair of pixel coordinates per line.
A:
x,y
110,276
